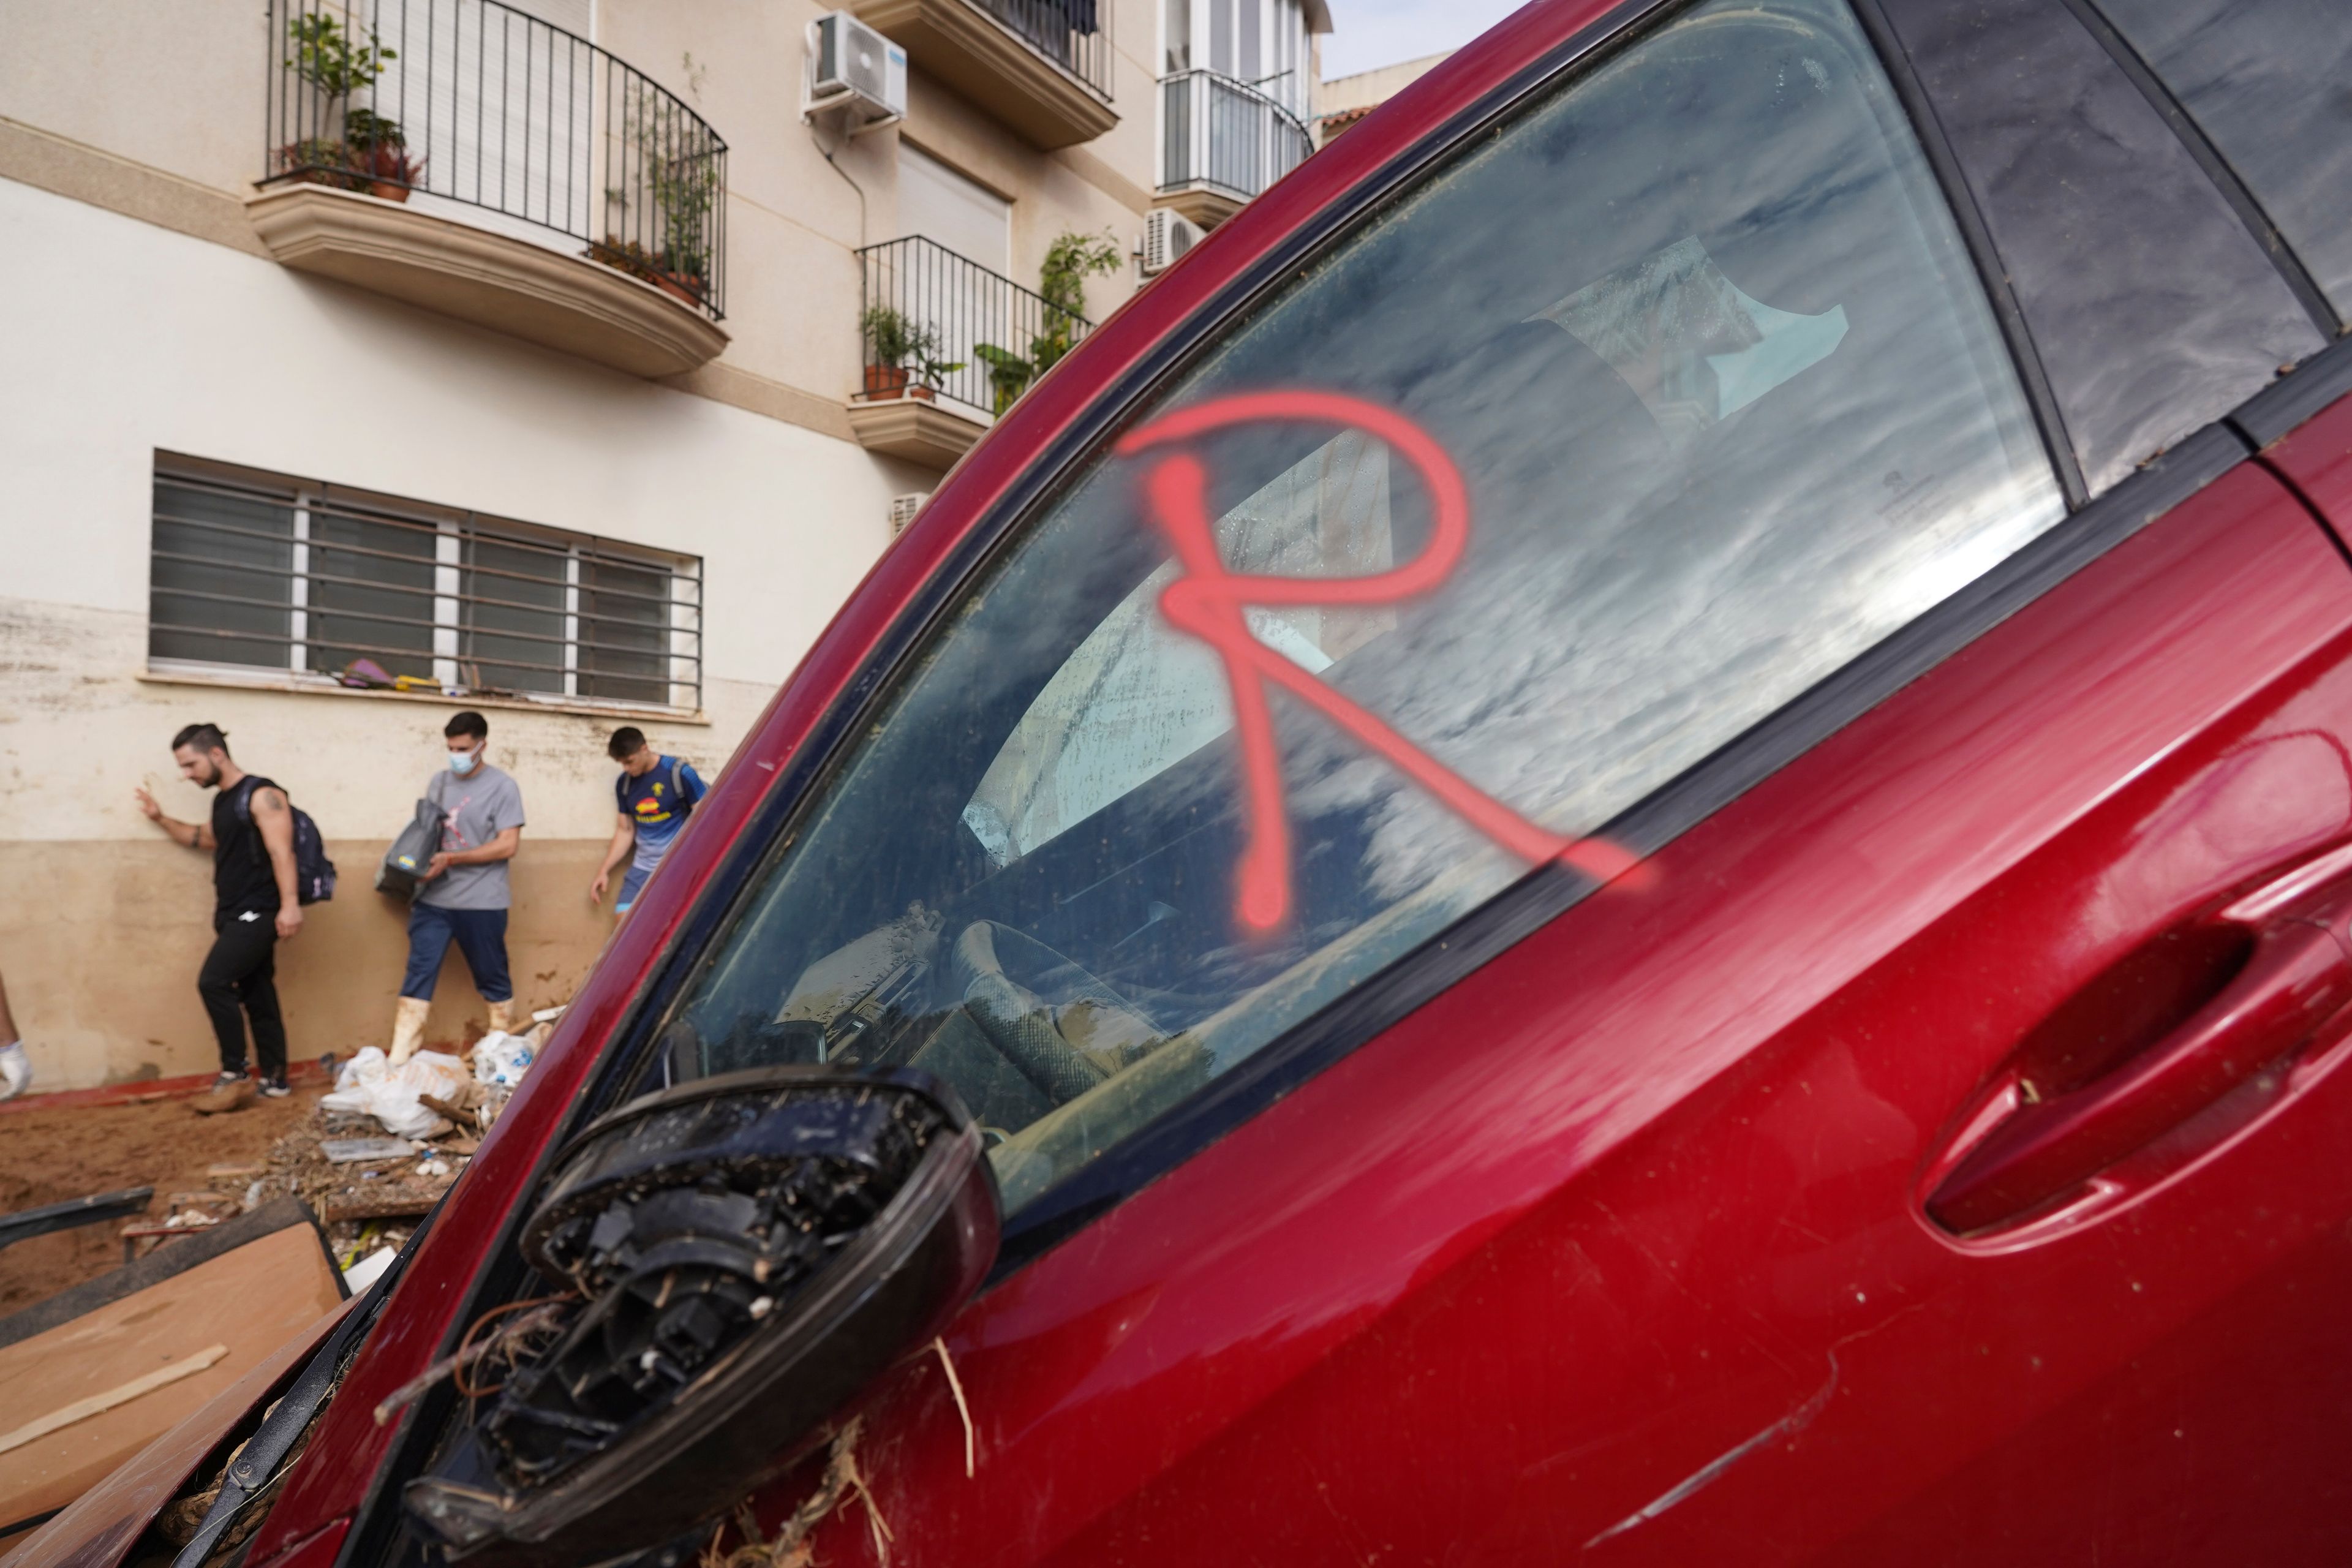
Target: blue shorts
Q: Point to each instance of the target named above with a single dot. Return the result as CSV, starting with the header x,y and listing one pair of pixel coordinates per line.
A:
x,y
480,935
633,882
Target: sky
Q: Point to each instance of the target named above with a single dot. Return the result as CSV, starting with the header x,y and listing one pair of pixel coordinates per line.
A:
x,y
1368,34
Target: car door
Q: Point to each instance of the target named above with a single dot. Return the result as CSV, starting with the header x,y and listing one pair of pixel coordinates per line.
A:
x,y
1628,868
1714,1214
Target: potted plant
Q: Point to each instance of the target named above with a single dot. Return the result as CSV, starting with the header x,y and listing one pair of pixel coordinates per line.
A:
x,y
685,189
379,149
315,161
891,340
1069,261
652,266
1008,375
929,369
667,197
371,154
391,172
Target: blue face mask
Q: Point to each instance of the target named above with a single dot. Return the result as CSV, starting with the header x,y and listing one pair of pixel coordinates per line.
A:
x,y
462,763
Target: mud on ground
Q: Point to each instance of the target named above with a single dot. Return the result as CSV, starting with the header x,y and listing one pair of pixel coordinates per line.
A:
x,y
48,1156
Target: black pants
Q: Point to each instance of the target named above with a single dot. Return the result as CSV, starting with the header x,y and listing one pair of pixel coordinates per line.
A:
x,y
241,970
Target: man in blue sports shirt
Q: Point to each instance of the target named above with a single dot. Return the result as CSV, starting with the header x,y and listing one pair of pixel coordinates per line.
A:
x,y
654,795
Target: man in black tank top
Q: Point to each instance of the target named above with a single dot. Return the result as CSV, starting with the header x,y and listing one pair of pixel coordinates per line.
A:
x,y
251,835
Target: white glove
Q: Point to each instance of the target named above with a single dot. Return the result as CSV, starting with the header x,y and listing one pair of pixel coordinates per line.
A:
x,y
15,1071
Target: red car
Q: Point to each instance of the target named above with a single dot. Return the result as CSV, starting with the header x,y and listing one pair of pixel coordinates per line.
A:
x,y
1626,835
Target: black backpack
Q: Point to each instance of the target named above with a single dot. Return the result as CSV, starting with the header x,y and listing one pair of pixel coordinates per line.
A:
x,y
314,874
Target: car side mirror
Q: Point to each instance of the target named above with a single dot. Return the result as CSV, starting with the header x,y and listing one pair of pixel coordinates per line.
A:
x,y
744,1253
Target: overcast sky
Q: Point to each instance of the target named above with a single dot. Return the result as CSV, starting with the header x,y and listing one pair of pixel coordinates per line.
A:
x,y
1368,34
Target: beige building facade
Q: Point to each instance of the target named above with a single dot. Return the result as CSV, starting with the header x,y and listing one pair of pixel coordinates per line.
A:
x,y
1344,100
550,358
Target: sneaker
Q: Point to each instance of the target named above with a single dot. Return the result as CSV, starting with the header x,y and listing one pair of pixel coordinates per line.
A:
x,y
230,1091
275,1088
15,1071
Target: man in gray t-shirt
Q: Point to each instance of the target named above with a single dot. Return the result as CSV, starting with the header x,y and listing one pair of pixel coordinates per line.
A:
x,y
463,896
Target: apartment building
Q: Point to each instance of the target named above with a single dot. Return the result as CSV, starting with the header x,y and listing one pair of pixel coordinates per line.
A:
x,y
566,360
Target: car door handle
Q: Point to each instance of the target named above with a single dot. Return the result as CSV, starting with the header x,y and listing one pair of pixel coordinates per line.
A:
x,y
2297,976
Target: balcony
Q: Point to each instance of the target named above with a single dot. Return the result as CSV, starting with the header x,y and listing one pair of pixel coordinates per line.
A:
x,y
1222,142
948,345
1041,66
473,160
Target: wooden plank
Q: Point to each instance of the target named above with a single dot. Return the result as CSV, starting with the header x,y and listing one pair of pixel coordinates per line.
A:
x,y
122,1393
250,1300
397,1203
201,1246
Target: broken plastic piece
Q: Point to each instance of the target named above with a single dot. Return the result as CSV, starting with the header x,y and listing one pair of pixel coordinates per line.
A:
x,y
749,1250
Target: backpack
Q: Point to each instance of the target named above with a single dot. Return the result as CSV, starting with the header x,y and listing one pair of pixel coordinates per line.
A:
x,y
679,803
314,874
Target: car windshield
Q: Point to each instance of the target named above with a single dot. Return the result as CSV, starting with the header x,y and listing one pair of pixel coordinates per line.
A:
x,y
1628,426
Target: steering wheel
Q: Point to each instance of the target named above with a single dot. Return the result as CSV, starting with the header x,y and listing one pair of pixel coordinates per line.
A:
x,y
1063,1029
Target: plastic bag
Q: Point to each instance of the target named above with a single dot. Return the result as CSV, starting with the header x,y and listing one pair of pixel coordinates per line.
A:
x,y
371,1085
393,1100
503,1058
354,1077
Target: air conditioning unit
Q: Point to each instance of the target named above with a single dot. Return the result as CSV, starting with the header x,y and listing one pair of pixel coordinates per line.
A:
x,y
1167,236
855,73
903,509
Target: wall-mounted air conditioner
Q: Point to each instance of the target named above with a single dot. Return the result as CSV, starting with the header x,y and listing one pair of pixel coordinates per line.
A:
x,y
1167,236
855,73
903,509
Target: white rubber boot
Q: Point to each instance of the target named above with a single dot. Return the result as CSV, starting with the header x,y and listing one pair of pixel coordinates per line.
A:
x,y
503,1016
15,1071
408,1028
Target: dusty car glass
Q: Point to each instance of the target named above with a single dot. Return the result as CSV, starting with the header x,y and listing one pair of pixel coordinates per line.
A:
x,y
1698,338
2266,80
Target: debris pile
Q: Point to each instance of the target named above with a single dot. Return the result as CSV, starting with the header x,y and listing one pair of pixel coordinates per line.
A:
x,y
382,1148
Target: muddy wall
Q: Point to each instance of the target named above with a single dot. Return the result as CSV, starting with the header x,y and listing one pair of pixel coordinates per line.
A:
x,y
104,919
101,958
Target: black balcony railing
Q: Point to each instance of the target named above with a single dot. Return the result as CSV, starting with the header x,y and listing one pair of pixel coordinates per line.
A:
x,y
471,102
1225,134
935,325
1073,34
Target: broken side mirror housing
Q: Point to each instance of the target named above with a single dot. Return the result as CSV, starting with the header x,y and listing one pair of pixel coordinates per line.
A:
x,y
748,1251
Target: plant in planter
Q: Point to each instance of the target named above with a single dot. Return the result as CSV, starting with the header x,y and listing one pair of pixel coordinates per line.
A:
x,y
666,196
371,153
902,358
330,59
316,160
684,190
653,266
929,369
1070,260
391,172
891,340
379,149
1009,374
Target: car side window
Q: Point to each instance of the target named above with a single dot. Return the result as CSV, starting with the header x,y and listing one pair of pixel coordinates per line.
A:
x,y
2270,84
1626,427
2153,309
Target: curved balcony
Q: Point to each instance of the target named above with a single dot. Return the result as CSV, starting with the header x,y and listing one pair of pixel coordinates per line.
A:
x,y
948,345
1222,142
474,160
